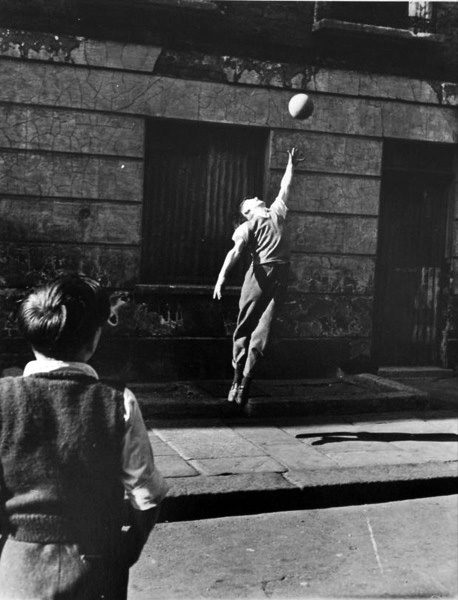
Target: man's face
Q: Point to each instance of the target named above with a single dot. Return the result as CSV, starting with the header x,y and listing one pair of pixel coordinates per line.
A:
x,y
250,205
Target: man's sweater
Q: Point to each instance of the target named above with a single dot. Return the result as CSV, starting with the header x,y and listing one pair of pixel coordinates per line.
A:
x,y
60,453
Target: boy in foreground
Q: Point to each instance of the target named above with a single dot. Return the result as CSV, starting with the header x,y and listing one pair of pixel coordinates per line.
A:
x,y
71,447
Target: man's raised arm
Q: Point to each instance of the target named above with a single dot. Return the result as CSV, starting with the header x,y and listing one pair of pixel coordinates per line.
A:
x,y
285,184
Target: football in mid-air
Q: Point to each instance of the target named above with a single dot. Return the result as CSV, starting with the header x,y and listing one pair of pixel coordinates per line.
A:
x,y
300,106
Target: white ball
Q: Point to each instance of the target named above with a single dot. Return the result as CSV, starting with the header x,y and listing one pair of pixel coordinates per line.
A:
x,y
300,106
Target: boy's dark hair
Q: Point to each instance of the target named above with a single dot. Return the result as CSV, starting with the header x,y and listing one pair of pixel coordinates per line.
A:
x,y
61,317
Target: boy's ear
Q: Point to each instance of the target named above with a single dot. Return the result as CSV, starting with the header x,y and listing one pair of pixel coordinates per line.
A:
x,y
96,338
91,346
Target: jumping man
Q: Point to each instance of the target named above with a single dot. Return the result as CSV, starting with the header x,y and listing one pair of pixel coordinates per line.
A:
x,y
264,234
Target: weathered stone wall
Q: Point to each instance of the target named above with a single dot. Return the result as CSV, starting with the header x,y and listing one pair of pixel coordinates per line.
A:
x,y
72,122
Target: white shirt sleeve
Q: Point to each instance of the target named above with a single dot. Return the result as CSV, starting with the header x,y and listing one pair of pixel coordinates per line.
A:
x,y
279,207
143,482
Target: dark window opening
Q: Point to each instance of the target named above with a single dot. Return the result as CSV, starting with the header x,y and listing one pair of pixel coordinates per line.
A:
x,y
195,177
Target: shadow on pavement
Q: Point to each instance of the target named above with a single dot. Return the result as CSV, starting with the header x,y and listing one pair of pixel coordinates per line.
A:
x,y
365,436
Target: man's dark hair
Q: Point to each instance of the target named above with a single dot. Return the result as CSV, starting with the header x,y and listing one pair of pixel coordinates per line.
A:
x,y
61,317
242,202
239,217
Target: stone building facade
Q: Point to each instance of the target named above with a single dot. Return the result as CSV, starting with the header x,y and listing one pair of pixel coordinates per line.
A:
x,y
373,220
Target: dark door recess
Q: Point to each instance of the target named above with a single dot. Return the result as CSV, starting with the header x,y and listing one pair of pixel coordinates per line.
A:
x,y
411,263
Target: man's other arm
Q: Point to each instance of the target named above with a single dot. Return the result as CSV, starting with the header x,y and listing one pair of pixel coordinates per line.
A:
x,y
231,259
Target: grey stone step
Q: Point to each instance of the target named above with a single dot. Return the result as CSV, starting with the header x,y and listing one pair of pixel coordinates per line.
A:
x,y
272,398
415,372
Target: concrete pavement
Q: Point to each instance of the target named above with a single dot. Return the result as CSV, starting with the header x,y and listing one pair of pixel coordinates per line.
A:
x,y
301,444
399,549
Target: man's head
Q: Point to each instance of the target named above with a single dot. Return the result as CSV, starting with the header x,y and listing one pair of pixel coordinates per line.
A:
x,y
63,318
249,206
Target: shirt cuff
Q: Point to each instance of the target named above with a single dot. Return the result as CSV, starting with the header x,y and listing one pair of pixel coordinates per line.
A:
x,y
150,493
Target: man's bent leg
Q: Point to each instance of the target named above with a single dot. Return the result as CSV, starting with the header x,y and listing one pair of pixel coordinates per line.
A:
x,y
264,292
274,297
247,318
259,339
249,311
258,342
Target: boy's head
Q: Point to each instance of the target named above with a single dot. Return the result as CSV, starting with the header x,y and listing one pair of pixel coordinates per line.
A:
x,y
62,318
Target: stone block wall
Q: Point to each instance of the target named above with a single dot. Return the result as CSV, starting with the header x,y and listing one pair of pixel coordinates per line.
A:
x,y
72,127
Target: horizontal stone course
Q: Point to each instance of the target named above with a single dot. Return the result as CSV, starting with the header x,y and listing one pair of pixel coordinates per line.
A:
x,y
47,174
333,233
332,274
319,316
331,154
328,192
67,49
23,265
34,128
77,221
49,84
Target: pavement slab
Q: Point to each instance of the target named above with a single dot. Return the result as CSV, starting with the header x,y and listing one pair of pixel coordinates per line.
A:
x,y
160,448
368,551
175,466
390,457
299,457
263,434
207,442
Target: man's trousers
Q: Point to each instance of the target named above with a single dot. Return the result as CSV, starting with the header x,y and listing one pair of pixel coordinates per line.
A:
x,y
262,292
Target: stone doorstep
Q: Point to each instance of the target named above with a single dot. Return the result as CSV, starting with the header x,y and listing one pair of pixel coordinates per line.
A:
x,y
415,372
373,394
217,389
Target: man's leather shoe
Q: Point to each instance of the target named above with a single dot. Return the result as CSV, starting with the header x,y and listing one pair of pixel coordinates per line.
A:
x,y
233,392
243,392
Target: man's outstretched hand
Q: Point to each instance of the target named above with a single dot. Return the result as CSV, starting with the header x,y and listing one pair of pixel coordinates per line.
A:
x,y
295,156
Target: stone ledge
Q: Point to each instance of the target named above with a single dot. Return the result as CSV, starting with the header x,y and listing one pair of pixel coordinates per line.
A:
x,y
178,289
217,496
336,25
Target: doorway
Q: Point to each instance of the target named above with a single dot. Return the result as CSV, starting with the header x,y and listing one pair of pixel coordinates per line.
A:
x,y
411,256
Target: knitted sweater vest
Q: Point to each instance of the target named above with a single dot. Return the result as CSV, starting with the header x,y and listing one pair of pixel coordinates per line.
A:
x,y
60,455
